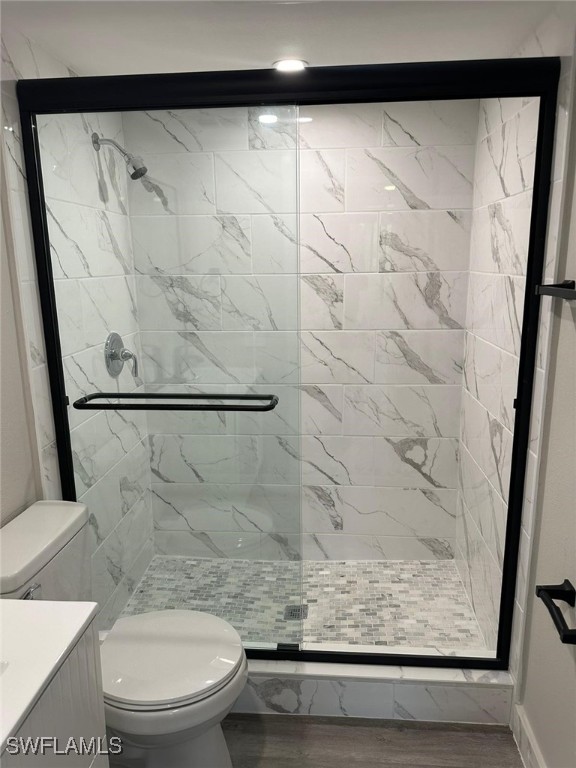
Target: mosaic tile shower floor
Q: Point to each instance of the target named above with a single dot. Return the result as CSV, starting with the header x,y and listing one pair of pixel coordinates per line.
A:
x,y
412,603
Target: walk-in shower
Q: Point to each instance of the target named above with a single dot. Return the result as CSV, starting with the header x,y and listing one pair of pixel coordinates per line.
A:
x,y
334,317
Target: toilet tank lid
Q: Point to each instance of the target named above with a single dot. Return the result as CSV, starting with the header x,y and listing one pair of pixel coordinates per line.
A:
x,y
31,540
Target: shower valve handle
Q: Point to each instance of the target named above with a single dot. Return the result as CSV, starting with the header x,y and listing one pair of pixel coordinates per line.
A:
x,y
116,354
125,355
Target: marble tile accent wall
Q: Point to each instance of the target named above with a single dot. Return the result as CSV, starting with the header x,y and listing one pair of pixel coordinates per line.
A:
x,y
502,201
384,254
351,311
95,287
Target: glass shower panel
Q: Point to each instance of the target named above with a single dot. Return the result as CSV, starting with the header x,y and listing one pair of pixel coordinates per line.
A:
x,y
414,228
178,231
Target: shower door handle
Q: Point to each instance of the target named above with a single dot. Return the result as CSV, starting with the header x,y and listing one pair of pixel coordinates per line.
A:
x,y
566,593
564,290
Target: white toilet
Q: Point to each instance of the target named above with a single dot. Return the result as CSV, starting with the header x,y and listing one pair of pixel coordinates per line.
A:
x,y
169,677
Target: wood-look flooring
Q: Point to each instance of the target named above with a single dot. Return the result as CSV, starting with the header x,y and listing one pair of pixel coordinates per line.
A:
x,y
284,741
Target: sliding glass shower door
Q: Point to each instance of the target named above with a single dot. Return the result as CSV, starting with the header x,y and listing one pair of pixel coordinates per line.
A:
x,y
177,230
319,312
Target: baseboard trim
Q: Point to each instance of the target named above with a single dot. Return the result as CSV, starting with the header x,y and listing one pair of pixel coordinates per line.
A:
x,y
525,739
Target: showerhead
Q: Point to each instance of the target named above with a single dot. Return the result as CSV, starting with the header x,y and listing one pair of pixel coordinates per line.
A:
x,y
135,165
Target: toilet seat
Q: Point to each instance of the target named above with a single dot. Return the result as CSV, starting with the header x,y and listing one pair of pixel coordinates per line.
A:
x,y
166,659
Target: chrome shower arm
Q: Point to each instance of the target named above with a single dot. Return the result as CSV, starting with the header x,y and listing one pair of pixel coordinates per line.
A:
x,y
136,167
98,142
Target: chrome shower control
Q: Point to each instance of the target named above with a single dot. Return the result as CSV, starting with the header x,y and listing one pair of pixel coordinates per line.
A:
x,y
127,355
116,354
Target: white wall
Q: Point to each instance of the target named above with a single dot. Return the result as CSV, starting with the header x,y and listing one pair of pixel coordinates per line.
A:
x,y
547,706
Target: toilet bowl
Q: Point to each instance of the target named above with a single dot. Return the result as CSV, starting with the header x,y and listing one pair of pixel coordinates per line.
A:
x,y
169,679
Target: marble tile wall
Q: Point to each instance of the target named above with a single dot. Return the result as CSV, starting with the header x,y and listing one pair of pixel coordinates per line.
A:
x,y
504,169
386,193
215,233
369,389
95,287
23,58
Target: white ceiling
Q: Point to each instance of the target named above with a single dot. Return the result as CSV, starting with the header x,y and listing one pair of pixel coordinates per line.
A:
x,y
143,36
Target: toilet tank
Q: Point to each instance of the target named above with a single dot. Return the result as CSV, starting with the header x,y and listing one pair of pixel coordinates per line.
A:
x,y
44,553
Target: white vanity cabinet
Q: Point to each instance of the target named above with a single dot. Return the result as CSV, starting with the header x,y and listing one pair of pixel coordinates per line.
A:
x,y
50,685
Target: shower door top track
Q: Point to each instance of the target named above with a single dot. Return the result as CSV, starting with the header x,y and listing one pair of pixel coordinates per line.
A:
x,y
496,78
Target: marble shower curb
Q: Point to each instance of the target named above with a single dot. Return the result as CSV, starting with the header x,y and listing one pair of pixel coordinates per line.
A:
x,y
394,693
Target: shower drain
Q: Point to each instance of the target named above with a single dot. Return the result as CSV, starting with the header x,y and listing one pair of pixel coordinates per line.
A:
x,y
295,612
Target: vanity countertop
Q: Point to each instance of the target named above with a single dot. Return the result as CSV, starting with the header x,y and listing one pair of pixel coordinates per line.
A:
x,y
36,636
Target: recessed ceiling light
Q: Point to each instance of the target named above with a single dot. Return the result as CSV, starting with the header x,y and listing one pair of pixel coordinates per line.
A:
x,y
268,119
304,119
290,65
390,188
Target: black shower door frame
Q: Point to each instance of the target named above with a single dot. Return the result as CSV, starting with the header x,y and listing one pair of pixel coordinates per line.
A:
x,y
494,78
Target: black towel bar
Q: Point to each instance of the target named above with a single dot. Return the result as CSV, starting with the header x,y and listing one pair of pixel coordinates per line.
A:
x,y
90,402
567,594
